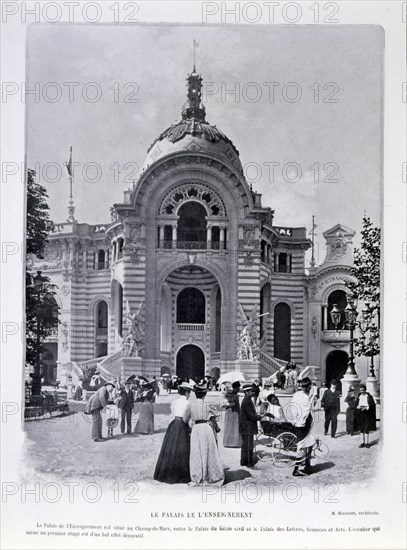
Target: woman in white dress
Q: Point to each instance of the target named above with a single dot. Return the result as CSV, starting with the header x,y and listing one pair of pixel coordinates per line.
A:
x,y
205,464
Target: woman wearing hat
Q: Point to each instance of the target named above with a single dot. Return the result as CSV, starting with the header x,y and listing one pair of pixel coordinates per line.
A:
x,y
262,400
365,414
145,423
173,462
204,463
231,434
350,399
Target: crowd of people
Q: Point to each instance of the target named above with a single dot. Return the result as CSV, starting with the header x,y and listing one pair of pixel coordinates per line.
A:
x,y
190,449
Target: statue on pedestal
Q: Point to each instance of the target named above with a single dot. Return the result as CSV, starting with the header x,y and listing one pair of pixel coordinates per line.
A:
x,y
248,334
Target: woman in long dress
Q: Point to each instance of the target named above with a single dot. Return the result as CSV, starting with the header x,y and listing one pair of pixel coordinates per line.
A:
x,y
173,462
145,423
350,399
204,463
231,434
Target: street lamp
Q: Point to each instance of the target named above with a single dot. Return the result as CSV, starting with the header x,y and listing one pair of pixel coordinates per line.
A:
x,y
351,316
336,315
364,325
38,286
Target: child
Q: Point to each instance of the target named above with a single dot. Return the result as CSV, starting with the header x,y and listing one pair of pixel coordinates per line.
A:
x,y
112,413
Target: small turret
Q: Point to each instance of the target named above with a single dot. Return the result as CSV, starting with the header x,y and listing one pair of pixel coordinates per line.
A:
x,y
193,108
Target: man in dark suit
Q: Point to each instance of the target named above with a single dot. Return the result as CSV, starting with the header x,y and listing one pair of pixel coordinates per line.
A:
x,y
248,425
331,404
96,403
126,405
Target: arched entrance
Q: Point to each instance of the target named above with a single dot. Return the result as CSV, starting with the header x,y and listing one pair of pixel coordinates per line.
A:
x,y
336,365
190,363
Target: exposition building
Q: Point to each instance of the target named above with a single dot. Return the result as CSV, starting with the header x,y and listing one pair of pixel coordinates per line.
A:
x,y
191,276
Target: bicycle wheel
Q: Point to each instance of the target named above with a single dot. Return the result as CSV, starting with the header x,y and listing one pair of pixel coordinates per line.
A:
x,y
287,452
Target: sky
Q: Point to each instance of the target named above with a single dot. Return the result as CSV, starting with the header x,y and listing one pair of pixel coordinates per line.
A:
x,y
309,95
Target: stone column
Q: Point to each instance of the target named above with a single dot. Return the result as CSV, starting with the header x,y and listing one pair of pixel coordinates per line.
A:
x,y
161,243
84,256
222,238
209,237
325,317
174,235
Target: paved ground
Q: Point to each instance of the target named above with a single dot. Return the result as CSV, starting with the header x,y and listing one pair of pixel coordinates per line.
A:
x,y
62,448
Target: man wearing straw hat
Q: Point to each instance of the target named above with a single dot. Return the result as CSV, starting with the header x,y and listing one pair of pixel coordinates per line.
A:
x,y
97,403
300,411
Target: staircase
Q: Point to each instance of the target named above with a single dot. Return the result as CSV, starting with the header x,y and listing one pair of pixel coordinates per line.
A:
x,y
269,365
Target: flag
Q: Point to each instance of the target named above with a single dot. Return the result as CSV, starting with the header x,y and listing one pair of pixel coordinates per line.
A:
x,y
69,165
197,48
314,226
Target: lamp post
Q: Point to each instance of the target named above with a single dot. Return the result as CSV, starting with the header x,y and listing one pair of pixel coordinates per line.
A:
x,y
336,315
350,377
351,316
364,326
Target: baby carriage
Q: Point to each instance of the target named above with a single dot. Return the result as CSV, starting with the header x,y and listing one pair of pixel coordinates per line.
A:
x,y
278,441
112,418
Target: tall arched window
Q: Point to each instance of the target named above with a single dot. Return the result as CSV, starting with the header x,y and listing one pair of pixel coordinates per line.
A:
x,y
101,316
191,226
282,331
101,328
191,306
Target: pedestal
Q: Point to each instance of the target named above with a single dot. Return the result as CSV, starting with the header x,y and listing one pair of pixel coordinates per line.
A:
x,y
129,366
62,373
372,386
347,381
249,367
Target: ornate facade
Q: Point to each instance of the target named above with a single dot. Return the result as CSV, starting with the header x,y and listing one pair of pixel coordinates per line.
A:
x,y
191,276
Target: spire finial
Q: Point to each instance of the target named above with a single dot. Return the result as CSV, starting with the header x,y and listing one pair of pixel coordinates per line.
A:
x,y
195,45
71,207
193,108
312,233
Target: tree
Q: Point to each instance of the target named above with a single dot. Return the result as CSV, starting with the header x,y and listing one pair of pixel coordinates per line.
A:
x,y
366,288
41,307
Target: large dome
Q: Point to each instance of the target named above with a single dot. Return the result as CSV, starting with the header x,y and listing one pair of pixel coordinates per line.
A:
x,y
193,133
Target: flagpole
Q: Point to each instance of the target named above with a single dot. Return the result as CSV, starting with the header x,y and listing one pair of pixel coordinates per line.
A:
x,y
71,207
70,181
194,51
312,242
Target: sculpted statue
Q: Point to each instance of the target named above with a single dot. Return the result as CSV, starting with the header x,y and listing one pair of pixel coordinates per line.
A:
x,y
248,333
133,336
